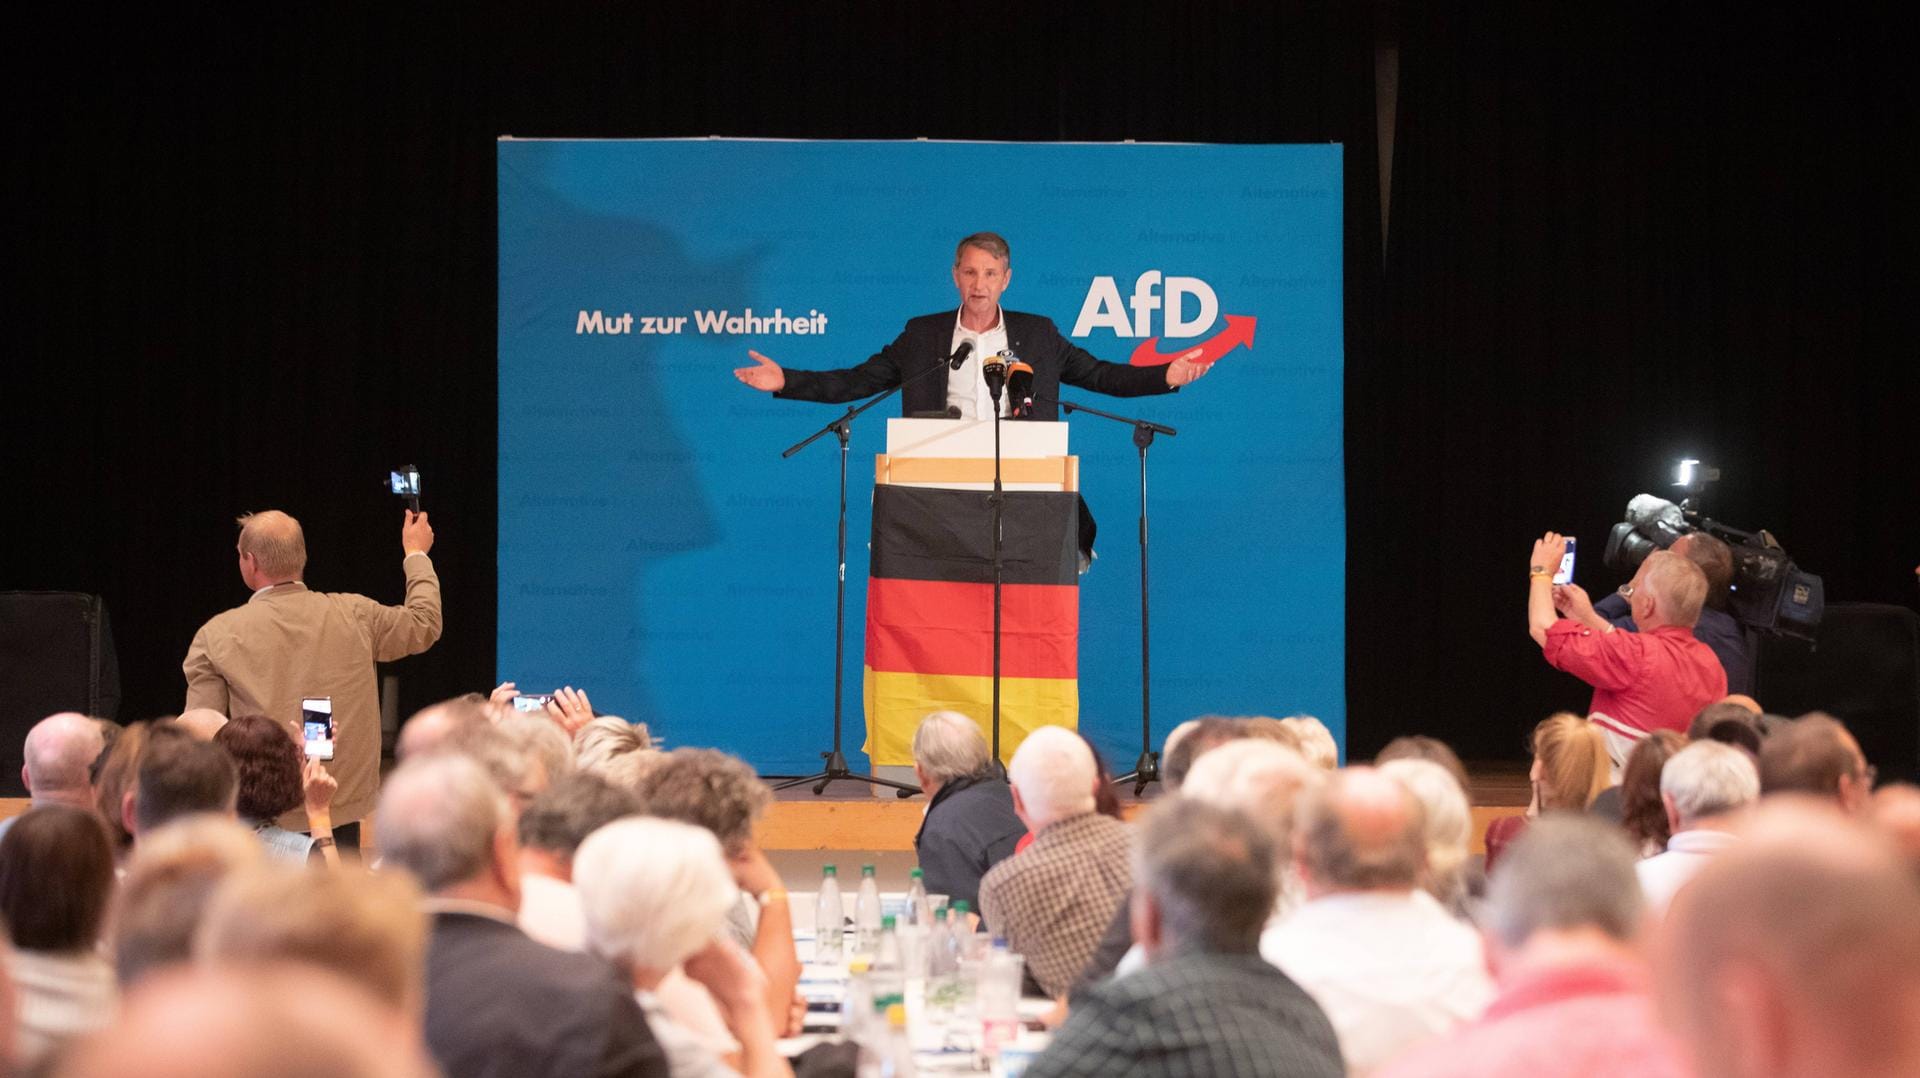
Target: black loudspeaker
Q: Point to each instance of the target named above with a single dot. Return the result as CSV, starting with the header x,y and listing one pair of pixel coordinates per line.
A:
x,y
56,654
1864,670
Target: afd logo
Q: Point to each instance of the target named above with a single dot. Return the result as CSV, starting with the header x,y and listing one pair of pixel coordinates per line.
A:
x,y
1173,297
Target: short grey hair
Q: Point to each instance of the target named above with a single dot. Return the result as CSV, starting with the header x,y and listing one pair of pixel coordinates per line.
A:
x,y
1210,871
1680,585
1316,741
1448,816
276,542
948,746
1565,871
1261,778
60,750
542,739
1054,771
563,815
1708,778
438,819
653,891
991,242
1339,859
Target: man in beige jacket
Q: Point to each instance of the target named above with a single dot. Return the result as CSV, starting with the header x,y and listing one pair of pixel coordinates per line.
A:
x,y
288,643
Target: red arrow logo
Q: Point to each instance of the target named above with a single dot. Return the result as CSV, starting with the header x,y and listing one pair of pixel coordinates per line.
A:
x,y
1239,331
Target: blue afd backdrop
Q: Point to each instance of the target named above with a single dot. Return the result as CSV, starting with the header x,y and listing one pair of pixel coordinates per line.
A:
x,y
655,549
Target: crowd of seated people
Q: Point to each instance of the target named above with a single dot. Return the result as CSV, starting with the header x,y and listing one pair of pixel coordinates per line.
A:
x,y
552,894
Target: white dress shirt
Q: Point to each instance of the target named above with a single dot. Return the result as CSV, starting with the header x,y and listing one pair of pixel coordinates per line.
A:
x,y
1390,968
1663,874
967,387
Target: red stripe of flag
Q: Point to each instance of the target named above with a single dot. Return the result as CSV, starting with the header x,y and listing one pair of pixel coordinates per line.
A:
x,y
942,627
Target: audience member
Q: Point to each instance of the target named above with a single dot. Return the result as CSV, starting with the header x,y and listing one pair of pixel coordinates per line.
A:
x,y
1268,728
1422,747
551,829
366,927
1387,962
200,723
114,775
721,793
1449,827
284,1021
541,739
606,738
60,752
1205,1004
431,728
1053,901
178,777
1642,812
1562,923
1719,630
56,877
1796,952
655,894
970,825
288,643
1257,777
1316,741
1703,789
520,774
498,1003
167,887
1816,755
1717,716
1191,740
1643,681
1570,769
274,778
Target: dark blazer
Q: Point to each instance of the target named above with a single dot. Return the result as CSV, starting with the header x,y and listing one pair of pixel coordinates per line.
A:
x,y
969,828
928,341
500,1005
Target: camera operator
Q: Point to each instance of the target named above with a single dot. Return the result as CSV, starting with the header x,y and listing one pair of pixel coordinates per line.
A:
x,y
287,643
1653,679
1716,628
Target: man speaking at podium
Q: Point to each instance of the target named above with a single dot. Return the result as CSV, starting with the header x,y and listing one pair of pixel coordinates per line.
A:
x,y
981,272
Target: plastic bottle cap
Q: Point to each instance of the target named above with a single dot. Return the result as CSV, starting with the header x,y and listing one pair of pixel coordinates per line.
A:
x,y
859,965
897,1015
887,921
866,870
916,874
962,906
940,914
832,870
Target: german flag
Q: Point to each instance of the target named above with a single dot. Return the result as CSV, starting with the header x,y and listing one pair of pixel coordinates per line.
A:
x,y
930,614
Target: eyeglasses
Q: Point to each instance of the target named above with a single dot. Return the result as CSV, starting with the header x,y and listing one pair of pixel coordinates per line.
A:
x,y
1625,591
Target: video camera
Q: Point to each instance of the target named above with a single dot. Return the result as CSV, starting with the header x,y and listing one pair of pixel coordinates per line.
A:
x,y
1769,593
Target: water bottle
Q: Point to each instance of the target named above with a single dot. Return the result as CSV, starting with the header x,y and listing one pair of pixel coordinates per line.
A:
x,y
856,1006
887,1054
866,913
829,918
919,913
889,976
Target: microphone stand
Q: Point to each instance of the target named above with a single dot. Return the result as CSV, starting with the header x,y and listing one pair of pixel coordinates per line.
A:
x,y
997,500
1147,768
835,768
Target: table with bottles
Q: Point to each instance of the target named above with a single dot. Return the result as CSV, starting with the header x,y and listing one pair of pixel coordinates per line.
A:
x,y
909,979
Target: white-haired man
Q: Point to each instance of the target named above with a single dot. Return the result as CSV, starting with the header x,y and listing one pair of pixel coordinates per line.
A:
x,y
970,825
288,643
60,751
1387,962
498,1003
1655,679
1053,900
1704,787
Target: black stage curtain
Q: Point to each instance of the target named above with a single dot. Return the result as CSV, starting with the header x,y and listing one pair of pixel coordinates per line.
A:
x,y
257,255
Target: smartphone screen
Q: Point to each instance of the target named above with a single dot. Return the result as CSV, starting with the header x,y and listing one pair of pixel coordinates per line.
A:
x,y
531,702
316,726
1565,574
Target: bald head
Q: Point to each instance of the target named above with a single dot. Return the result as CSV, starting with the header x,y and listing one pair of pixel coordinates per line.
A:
x,y
438,725
273,549
1361,831
60,751
282,1021
1797,951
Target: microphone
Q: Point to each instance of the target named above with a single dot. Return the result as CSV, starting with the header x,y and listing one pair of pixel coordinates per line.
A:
x,y
1020,387
994,370
1660,519
960,355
